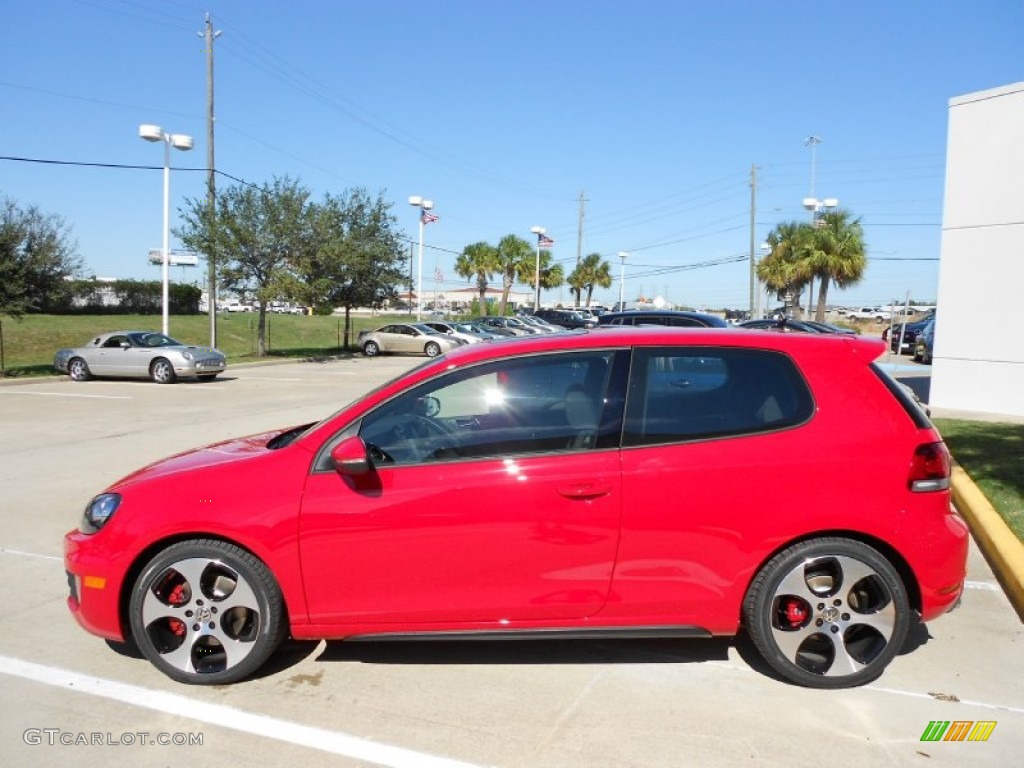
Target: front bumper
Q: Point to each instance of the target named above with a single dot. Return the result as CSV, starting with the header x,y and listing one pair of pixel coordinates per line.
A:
x,y
94,585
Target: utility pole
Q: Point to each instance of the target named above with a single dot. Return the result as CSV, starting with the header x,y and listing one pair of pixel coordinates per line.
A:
x,y
753,233
211,184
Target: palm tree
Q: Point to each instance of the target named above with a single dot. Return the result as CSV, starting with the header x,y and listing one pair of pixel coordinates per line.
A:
x,y
590,273
515,257
480,261
837,254
551,275
785,270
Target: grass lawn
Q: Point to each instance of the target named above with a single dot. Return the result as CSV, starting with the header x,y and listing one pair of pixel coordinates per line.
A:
x,y
993,455
29,343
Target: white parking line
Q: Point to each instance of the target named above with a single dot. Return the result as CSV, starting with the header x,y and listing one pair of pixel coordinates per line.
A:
x,y
988,586
6,551
222,716
65,394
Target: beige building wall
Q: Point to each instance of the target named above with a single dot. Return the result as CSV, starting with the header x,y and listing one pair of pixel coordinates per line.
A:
x,y
979,344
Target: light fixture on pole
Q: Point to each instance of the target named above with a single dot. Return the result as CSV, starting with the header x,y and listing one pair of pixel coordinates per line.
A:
x,y
425,216
622,280
539,232
184,143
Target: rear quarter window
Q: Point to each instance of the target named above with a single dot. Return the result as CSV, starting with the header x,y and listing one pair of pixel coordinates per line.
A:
x,y
692,394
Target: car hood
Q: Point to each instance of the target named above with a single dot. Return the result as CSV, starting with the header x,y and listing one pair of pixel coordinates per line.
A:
x,y
230,451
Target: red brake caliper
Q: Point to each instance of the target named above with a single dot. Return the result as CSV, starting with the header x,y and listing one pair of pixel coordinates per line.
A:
x,y
796,611
178,596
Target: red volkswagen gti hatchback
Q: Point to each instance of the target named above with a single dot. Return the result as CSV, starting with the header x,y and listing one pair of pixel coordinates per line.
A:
x,y
631,482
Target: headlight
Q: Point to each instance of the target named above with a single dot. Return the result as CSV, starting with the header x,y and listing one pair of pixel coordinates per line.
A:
x,y
98,512
187,355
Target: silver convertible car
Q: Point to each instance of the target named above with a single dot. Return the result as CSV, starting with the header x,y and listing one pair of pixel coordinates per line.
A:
x,y
139,354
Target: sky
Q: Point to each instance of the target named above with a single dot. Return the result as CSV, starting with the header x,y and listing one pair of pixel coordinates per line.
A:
x,y
657,113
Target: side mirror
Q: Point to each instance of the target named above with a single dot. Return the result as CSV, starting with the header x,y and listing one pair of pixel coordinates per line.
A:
x,y
349,457
125,344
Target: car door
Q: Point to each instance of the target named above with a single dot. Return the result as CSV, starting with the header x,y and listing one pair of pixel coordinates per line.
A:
x,y
708,441
491,500
109,359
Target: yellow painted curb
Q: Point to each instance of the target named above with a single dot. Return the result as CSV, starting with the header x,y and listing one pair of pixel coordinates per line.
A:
x,y
1003,550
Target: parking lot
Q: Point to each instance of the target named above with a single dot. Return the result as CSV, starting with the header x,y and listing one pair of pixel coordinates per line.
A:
x,y
68,697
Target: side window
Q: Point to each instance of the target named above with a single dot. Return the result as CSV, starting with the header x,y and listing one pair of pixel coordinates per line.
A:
x,y
690,394
115,341
537,404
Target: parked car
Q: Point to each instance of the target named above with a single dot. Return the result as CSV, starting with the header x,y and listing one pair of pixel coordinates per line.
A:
x,y
877,314
542,325
506,326
458,331
670,317
409,338
566,318
140,355
925,342
788,324
593,484
907,332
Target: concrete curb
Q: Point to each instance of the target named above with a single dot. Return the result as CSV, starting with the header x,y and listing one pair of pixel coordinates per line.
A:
x,y
1003,550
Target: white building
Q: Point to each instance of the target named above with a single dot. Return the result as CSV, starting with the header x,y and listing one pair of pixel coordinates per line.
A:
x,y
978,358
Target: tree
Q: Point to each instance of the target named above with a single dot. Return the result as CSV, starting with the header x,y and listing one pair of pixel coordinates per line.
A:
x,y
837,254
551,275
355,258
36,257
258,233
784,270
515,259
480,261
590,273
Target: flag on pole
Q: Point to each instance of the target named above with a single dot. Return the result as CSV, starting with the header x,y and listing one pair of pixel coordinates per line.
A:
x,y
438,275
543,241
427,218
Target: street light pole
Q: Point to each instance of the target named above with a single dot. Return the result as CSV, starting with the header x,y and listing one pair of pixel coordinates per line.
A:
x,y
184,143
622,281
539,232
424,206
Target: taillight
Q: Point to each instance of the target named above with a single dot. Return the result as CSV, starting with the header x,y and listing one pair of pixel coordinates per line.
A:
x,y
930,468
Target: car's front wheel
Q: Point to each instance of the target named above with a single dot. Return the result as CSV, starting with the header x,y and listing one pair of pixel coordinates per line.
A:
x,y
78,369
206,612
432,349
370,349
828,613
161,371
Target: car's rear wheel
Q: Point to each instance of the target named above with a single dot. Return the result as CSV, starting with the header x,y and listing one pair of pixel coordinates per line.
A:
x,y
78,369
370,349
828,613
206,612
432,349
161,371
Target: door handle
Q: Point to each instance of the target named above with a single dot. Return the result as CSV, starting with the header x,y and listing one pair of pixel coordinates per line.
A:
x,y
584,490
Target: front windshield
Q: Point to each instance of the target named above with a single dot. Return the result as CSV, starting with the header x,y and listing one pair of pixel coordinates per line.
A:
x,y
153,340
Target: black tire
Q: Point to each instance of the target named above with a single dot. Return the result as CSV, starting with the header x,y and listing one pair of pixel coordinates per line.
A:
x,y
161,371
828,613
78,369
370,349
206,612
432,349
